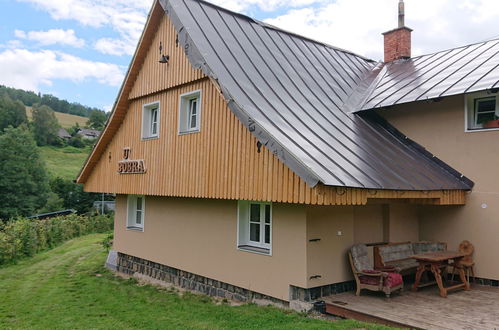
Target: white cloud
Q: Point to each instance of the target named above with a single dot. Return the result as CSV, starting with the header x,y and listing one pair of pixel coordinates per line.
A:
x,y
52,37
127,18
115,46
265,5
357,25
25,69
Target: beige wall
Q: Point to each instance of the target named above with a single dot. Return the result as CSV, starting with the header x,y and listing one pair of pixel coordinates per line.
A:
x,y
403,223
439,127
328,257
199,236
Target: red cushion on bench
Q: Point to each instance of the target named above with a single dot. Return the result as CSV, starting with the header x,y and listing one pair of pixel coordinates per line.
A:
x,y
393,279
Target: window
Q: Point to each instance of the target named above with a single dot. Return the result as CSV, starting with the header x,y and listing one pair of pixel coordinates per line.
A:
x,y
482,111
135,216
150,120
190,112
255,227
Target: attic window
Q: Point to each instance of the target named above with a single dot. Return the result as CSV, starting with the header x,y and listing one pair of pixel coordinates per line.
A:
x,y
190,112
482,111
150,120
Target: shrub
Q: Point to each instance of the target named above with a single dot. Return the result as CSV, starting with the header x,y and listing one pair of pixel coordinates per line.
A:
x,y
25,237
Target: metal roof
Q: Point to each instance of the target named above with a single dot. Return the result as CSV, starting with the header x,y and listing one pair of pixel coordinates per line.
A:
x,y
289,91
451,72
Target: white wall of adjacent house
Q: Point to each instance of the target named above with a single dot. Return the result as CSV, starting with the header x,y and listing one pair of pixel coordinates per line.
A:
x,y
440,127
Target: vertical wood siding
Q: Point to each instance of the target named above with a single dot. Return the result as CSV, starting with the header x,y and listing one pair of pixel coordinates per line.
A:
x,y
154,76
221,161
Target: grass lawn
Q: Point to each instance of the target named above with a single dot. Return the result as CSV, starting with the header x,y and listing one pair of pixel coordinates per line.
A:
x,y
64,162
66,120
68,287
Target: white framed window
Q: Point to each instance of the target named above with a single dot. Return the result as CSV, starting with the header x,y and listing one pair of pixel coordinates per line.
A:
x,y
482,111
189,112
135,212
150,120
254,227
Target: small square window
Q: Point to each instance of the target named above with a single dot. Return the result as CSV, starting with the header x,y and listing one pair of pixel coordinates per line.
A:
x,y
135,214
255,227
150,120
482,111
190,112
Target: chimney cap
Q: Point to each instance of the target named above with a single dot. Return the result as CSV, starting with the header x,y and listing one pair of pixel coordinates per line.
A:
x,y
399,28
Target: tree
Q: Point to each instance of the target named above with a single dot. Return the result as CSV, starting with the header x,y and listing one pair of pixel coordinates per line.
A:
x,y
45,125
73,195
97,120
12,113
24,183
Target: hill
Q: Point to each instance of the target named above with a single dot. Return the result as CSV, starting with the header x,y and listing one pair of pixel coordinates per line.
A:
x,y
29,98
66,120
69,288
64,162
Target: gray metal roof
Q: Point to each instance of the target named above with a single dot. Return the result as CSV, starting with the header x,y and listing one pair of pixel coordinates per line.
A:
x,y
290,91
451,72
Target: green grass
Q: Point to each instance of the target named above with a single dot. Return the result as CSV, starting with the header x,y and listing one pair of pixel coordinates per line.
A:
x,y
66,120
68,287
64,162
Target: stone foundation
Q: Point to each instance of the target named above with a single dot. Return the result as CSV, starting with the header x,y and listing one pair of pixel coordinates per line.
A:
x,y
312,294
131,265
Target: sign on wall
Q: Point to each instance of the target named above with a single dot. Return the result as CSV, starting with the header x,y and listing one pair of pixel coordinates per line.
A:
x,y
130,166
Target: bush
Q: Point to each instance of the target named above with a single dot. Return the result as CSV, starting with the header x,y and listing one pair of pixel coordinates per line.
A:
x,y
25,237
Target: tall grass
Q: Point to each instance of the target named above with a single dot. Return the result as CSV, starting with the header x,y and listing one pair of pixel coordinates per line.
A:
x,y
22,237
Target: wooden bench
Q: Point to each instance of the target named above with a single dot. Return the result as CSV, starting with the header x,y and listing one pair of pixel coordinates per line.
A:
x,y
400,254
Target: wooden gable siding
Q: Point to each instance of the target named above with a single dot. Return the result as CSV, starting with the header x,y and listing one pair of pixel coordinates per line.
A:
x,y
154,76
221,161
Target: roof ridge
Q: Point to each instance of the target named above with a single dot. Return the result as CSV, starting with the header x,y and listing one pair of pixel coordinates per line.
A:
x,y
273,27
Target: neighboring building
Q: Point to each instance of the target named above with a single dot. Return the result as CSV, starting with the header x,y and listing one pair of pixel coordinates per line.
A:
x,y
63,134
250,161
88,133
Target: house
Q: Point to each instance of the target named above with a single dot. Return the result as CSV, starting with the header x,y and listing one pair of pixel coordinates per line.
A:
x,y
63,134
246,160
88,133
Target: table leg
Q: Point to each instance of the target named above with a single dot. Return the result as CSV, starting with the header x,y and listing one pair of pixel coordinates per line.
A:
x,y
421,269
463,277
435,269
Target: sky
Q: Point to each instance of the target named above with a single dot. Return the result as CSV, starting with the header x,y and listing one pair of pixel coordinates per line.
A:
x,y
79,50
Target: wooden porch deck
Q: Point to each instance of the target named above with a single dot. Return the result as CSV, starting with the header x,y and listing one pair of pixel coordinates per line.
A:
x,y
425,309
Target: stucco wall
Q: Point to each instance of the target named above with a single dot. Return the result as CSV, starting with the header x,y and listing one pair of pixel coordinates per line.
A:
x,y
328,257
339,227
199,236
403,223
440,128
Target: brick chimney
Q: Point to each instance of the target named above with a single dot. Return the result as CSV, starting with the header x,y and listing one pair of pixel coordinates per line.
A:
x,y
398,41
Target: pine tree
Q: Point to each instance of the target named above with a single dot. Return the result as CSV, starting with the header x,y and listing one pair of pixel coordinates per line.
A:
x,y
23,179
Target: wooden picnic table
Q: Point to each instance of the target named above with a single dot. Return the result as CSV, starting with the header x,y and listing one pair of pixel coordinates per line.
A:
x,y
434,261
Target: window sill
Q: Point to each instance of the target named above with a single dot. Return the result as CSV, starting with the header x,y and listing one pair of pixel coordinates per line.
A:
x,y
140,229
146,138
189,132
254,249
471,130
